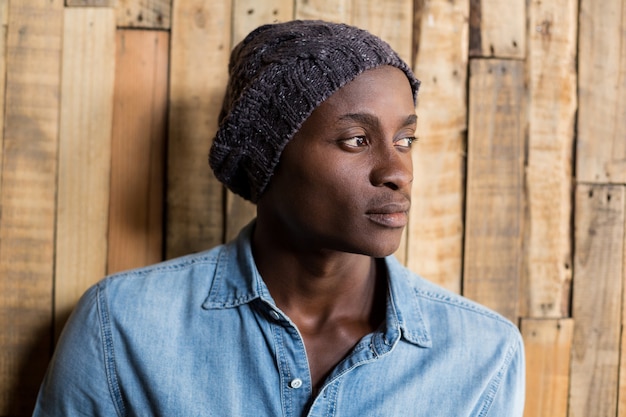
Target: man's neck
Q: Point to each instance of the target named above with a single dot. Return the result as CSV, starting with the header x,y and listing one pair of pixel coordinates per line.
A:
x,y
313,287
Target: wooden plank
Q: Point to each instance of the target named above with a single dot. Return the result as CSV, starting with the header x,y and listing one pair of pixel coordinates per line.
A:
x,y
601,147
329,10
200,49
84,154
596,305
548,345
498,28
621,394
552,84
391,20
138,149
148,14
29,171
4,17
90,3
494,210
248,15
435,237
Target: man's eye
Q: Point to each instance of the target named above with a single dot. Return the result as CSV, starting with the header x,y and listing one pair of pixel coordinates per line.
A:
x,y
355,142
406,142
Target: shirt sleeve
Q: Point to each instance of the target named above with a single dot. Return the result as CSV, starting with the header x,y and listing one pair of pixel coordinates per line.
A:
x,y
77,382
509,395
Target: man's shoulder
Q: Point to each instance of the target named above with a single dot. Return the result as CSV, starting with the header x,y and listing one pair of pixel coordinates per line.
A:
x,y
167,277
444,308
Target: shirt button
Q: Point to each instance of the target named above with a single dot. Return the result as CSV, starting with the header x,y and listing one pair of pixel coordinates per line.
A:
x,y
274,315
295,383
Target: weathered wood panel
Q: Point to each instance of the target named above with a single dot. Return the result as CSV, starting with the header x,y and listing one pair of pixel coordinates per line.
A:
x,y
84,154
597,300
621,394
498,28
601,147
153,14
494,213
138,150
552,84
548,345
330,10
90,3
375,15
4,18
29,171
200,48
250,14
435,233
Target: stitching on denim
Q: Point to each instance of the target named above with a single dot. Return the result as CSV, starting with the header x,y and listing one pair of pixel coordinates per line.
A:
x,y
109,356
216,282
461,304
331,398
495,383
419,330
283,368
177,265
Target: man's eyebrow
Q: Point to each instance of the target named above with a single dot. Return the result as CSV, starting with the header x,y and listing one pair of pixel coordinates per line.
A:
x,y
372,120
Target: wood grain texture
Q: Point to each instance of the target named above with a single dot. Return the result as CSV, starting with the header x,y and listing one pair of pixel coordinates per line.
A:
x,y
548,345
200,49
621,394
147,14
597,300
498,28
601,147
4,18
375,15
90,3
138,149
29,171
552,89
84,154
435,237
494,208
330,10
250,14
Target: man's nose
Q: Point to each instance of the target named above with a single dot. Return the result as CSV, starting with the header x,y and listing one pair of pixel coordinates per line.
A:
x,y
392,168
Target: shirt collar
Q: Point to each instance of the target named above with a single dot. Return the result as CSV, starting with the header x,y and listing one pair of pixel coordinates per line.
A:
x,y
237,281
405,303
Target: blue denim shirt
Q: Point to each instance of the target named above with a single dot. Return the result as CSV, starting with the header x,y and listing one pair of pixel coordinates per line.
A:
x,y
201,336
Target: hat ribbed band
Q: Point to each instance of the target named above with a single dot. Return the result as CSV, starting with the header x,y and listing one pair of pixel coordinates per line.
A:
x,y
278,75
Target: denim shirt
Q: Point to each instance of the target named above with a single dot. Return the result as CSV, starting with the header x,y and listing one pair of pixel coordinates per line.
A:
x,y
201,336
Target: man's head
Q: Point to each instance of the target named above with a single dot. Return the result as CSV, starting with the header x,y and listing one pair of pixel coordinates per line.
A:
x,y
278,75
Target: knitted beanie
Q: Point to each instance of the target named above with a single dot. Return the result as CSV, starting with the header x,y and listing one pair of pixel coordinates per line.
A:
x,y
277,76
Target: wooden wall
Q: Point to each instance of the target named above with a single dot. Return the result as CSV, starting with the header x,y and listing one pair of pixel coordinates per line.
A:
x,y
520,171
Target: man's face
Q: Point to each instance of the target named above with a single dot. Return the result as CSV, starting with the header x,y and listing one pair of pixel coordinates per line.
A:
x,y
343,182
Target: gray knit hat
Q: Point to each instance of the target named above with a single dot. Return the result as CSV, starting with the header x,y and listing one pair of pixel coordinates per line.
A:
x,y
277,76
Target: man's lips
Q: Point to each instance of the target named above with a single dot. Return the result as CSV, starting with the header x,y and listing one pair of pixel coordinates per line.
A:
x,y
394,215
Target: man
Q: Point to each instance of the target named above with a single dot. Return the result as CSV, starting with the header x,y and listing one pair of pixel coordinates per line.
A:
x,y
306,313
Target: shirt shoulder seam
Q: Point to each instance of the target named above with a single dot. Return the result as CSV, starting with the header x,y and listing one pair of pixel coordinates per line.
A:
x,y
109,354
465,304
495,384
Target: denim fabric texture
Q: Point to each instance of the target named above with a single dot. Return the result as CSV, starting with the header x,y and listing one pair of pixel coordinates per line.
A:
x,y
201,336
